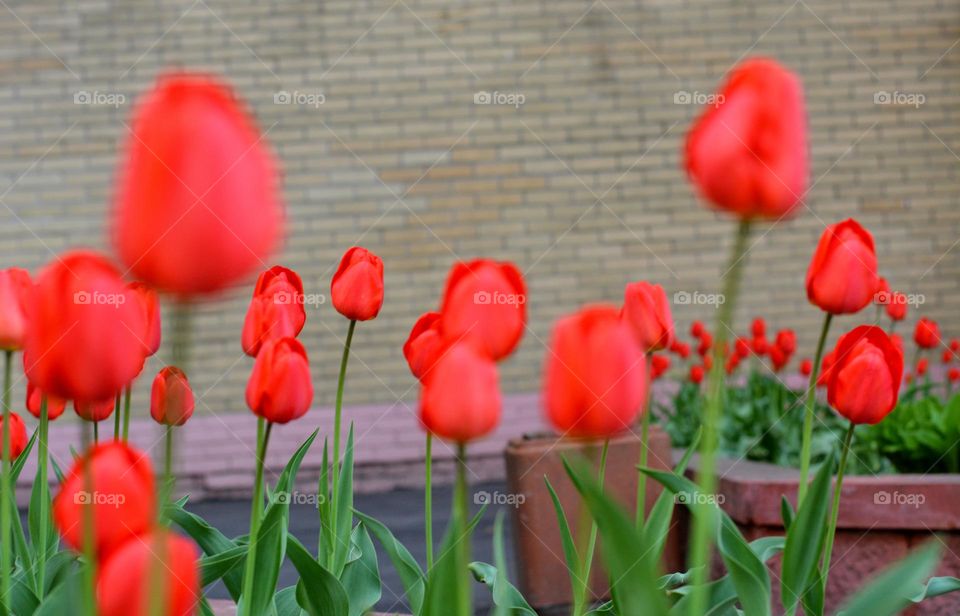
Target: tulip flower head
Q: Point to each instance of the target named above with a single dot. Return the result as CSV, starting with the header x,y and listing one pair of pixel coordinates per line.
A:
x,y
198,200
865,377
55,405
150,304
15,290
18,436
357,285
842,277
697,328
682,349
171,398
896,306
806,366
659,364
922,366
646,308
460,398
594,383
94,410
696,374
926,334
748,153
953,374
276,309
425,344
280,389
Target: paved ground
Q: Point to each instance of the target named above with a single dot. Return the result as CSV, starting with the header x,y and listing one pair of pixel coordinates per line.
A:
x,y
401,510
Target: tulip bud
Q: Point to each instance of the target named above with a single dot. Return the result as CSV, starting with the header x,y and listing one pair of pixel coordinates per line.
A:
x,y
748,152
171,398
425,344
806,367
927,333
357,285
150,305
55,405
124,583
198,204
15,290
276,309
842,277
865,378
646,309
94,410
18,436
122,497
484,303
460,398
594,383
280,389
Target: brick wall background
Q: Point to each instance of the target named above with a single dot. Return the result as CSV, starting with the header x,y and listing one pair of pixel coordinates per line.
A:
x,y
580,185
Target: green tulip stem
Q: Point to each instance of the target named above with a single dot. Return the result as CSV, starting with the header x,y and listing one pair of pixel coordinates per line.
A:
x,y
582,595
337,420
126,412
460,529
116,418
835,508
44,508
809,401
256,510
428,500
8,502
96,433
707,476
644,447
89,533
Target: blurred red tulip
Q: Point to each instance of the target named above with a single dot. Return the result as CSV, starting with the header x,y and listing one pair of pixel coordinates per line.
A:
x,y
594,383
706,343
171,398
922,365
778,358
460,398
425,345
926,334
122,497
198,197
955,345
732,364
896,306
748,152
276,309
708,361
682,349
95,410
787,341
646,308
15,290
947,356
758,328
18,435
823,377
55,405
760,346
125,578
953,374
697,329
842,277
865,380
484,303
659,364
357,285
84,335
151,316
280,389
742,348
806,366
696,374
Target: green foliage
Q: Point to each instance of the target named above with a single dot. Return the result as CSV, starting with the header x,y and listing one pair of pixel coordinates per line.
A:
x,y
921,435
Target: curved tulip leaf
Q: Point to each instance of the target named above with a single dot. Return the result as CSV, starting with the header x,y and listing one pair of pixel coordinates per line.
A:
x,y
22,598
289,473
324,509
566,537
507,600
318,592
441,591
786,513
214,567
657,526
211,541
271,541
64,598
38,494
628,560
935,587
343,509
21,551
605,609
286,602
805,540
17,467
361,575
412,578
891,590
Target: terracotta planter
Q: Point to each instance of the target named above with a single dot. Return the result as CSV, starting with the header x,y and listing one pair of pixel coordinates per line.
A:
x,y
881,519
543,577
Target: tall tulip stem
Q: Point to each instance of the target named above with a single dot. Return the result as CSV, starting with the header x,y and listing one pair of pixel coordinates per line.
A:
x,y
256,510
8,503
582,595
644,448
126,411
463,537
428,500
44,508
707,476
337,420
809,401
835,509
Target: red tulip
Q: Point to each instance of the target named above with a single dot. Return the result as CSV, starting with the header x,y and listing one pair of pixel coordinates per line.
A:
x,y
953,374
15,289
787,341
659,364
682,349
706,343
865,379
125,579
460,398
171,398
18,436
84,336
922,366
927,333
806,366
197,205
760,346
276,309
955,345
823,377
357,285
696,374
748,152
896,306
758,328
707,361
95,410
646,308
484,303
947,356
842,277
122,497
425,344
55,405
742,348
732,364
697,329
594,384
778,358
280,389
151,315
